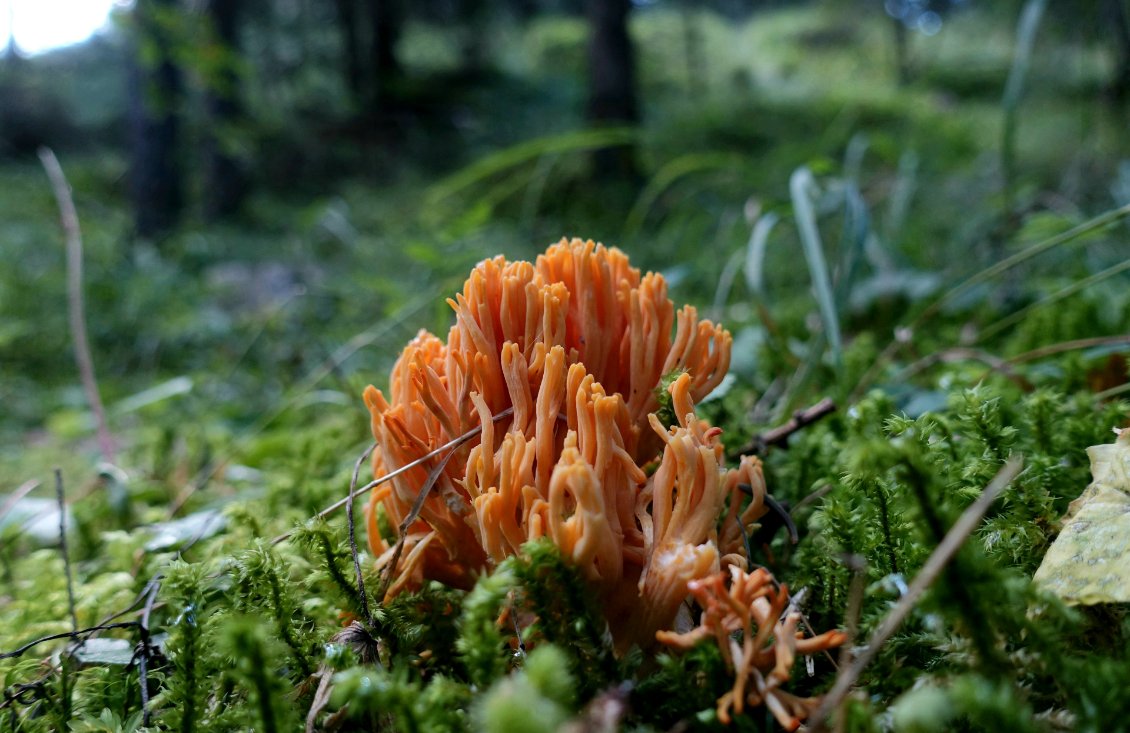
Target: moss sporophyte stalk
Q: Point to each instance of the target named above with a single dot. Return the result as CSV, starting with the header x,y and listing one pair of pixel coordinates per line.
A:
x,y
557,363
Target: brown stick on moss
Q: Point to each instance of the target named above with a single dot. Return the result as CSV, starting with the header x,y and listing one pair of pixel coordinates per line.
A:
x,y
780,434
941,556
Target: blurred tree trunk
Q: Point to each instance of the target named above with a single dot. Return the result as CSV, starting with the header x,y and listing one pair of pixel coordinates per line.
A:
x,y
902,51
155,97
225,175
697,78
384,22
612,81
473,19
524,10
1116,19
347,19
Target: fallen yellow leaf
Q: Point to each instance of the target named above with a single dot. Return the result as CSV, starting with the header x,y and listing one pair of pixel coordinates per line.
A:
x,y
1089,562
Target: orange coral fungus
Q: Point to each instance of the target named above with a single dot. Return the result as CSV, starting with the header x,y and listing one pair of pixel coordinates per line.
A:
x,y
557,362
763,659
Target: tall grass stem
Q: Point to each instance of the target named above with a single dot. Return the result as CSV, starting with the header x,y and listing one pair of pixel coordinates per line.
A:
x,y
1061,294
800,185
1091,225
1026,29
75,307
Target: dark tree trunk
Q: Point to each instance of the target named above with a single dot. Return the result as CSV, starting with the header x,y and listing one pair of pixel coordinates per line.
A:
x,y
384,23
524,10
612,81
902,52
1119,24
697,78
155,97
347,19
473,18
225,173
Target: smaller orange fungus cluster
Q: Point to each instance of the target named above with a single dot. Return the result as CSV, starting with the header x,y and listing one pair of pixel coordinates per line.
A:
x,y
557,363
763,658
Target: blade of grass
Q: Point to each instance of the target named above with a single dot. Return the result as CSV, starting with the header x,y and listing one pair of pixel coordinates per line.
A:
x,y
902,193
298,392
1026,29
755,253
531,200
494,194
853,156
800,184
856,232
664,178
726,283
490,165
1067,292
1076,345
906,332
754,270
1092,225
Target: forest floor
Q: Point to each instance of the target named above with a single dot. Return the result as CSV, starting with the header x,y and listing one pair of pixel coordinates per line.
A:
x,y
968,307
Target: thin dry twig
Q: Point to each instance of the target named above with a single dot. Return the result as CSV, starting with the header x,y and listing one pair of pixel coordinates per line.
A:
x,y
1113,392
453,443
144,652
950,356
17,692
417,506
77,312
321,697
1053,349
147,599
62,502
938,560
812,498
858,566
138,600
24,489
66,635
353,534
778,435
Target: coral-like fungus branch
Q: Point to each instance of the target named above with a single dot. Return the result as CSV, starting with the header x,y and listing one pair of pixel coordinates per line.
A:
x,y
574,346
762,659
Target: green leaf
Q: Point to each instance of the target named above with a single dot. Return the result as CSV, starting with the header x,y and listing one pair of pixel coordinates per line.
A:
x,y
178,532
117,652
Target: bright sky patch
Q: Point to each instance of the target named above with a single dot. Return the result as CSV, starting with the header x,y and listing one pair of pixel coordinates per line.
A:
x,y
41,25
